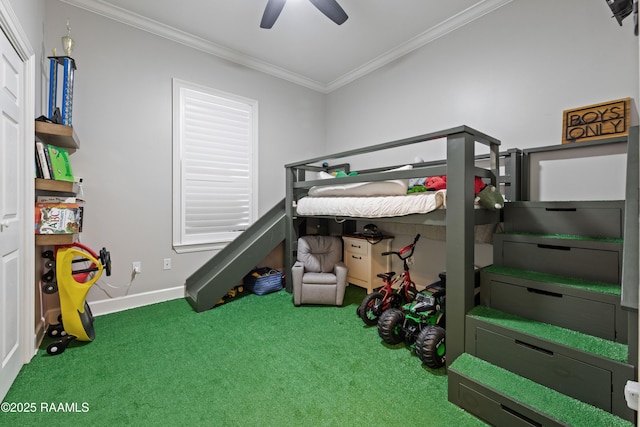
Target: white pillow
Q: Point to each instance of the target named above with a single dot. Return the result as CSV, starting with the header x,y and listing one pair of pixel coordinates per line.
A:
x,y
394,187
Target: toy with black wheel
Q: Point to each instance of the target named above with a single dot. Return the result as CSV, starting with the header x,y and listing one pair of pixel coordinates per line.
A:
x,y
76,319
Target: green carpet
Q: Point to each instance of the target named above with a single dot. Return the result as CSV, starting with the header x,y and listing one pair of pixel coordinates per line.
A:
x,y
573,282
558,406
256,361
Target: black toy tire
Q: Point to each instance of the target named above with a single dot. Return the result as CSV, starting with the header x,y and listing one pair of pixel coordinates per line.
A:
x,y
50,288
389,326
56,347
56,331
430,346
365,310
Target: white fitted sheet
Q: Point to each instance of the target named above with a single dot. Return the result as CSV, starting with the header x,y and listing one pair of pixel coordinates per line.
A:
x,y
373,207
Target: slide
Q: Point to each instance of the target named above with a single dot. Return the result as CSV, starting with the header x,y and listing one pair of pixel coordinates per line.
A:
x,y
218,275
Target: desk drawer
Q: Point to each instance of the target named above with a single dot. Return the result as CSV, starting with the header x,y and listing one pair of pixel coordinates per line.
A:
x,y
358,265
356,246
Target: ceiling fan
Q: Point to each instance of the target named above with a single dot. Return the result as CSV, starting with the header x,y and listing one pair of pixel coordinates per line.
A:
x,y
330,8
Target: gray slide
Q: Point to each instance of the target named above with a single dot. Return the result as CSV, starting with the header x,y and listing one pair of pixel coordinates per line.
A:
x,y
217,276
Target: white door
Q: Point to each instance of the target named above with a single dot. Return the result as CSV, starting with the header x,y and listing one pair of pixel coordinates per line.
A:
x,y
11,215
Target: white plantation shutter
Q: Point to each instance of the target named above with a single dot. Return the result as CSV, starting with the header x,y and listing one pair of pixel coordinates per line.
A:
x,y
214,171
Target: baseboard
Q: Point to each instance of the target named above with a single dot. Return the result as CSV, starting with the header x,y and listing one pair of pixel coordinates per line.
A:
x,y
99,308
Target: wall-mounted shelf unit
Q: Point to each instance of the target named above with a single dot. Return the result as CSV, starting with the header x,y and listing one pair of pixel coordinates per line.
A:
x,y
65,137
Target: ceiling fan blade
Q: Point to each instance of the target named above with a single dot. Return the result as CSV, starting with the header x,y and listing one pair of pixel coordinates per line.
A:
x,y
331,9
271,13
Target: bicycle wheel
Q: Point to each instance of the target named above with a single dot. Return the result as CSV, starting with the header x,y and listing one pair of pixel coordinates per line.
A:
x,y
367,309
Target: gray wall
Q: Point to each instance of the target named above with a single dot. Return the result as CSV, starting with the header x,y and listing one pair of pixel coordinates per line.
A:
x,y
510,74
122,115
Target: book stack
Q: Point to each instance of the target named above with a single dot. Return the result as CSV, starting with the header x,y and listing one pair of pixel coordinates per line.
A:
x,y
52,162
57,218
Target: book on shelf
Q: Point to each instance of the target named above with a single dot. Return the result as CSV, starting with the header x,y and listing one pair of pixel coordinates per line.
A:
x,y
56,199
60,163
53,163
41,161
37,167
57,218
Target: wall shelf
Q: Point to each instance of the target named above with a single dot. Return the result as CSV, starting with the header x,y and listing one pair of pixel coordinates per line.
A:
x,y
54,239
58,135
54,185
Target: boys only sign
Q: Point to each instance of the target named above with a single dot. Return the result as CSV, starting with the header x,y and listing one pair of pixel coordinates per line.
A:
x,y
596,121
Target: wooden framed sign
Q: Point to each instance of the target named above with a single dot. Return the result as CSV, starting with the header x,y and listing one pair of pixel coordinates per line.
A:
x,y
596,121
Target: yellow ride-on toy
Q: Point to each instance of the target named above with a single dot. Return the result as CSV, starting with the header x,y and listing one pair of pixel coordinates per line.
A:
x,y
76,320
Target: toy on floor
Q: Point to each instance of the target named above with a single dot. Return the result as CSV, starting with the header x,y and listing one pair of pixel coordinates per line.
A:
x,y
374,304
72,285
420,324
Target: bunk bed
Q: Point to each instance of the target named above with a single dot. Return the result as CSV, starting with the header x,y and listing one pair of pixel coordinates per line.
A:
x,y
455,211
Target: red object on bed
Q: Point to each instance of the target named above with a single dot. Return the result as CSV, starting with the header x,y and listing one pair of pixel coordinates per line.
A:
x,y
440,183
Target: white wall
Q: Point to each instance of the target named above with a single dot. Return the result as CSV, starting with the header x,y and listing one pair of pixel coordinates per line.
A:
x,y
122,115
509,74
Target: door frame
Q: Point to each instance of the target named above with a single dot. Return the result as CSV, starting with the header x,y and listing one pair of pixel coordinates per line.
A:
x,y
11,27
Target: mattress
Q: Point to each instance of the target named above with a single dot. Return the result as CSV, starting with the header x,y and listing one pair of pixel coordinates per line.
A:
x,y
373,207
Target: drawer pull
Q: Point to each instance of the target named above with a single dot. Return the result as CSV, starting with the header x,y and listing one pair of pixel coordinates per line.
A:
x,y
519,415
534,347
547,293
356,257
560,209
355,246
554,247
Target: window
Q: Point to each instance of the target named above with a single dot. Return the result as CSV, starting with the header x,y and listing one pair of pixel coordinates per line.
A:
x,y
214,166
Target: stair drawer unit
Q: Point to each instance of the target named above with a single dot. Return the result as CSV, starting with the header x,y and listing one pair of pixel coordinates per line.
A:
x,y
592,219
553,357
503,398
364,260
572,256
585,306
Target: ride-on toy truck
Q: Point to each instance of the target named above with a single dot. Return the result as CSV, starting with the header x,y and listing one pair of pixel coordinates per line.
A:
x,y
76,320
420,324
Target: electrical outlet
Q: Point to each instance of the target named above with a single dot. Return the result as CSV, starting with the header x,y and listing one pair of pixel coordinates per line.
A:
x,y
167,263
137,267
410,260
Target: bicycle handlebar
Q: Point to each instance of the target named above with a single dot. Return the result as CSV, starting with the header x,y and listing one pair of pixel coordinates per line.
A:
x,y
408,248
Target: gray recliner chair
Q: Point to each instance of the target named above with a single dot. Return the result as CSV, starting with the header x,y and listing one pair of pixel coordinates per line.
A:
x,y
319,276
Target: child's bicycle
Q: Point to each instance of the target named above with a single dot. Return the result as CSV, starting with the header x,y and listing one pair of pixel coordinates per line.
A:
x,y
374,304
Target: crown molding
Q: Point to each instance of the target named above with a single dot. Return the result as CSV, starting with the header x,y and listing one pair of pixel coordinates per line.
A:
x,y
140,22
165,31
463,18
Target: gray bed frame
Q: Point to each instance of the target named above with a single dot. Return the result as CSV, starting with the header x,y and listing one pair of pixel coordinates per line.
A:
x,y
459,217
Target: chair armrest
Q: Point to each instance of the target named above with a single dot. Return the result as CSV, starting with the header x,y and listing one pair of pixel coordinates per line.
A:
x,y
341,271
297,271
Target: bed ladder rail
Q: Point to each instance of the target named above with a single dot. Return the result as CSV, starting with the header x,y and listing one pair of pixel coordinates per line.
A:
x,y
212,281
